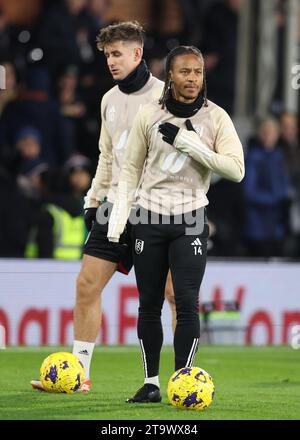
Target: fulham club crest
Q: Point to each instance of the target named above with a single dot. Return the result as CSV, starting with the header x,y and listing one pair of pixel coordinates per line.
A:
x,y
139,246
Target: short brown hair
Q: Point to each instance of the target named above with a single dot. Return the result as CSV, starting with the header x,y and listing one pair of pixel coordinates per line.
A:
x,y
124,31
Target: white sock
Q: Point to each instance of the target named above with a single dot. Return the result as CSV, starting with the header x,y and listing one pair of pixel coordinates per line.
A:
x,y
84,352
154,380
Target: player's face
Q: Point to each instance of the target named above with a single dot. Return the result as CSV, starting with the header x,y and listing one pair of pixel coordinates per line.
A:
x,y
122,58
187,77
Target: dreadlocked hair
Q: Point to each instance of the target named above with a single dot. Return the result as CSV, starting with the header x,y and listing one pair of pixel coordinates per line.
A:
x,y
181,50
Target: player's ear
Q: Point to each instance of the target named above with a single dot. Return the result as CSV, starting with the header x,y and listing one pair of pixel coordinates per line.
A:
x,y
138,53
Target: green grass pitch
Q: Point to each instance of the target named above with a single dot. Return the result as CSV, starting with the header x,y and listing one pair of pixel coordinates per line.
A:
x,y
251,383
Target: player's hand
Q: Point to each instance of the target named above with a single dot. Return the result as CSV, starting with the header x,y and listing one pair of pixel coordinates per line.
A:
x,y
89,217
169,132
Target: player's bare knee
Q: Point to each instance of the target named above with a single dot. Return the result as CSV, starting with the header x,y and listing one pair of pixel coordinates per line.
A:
x,y
87,288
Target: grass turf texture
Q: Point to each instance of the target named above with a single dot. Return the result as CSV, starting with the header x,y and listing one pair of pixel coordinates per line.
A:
x,y
251,383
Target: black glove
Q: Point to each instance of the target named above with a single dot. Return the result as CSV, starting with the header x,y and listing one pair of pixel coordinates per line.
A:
x,y
169,132
89,217
189,126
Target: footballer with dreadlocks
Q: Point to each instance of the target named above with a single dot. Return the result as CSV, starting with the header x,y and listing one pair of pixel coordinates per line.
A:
x,y
175,144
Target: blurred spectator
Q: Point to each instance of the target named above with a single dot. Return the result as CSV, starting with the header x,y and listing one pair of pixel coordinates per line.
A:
x,y
35,107
78,172
87,127
97,9
58,34
79,107
93,68
96,19
95,79
14,217
59,231
219,48
28,141
266,193
71,107
166,26
194,13
289,142
225,211
28,147
68,98
29,180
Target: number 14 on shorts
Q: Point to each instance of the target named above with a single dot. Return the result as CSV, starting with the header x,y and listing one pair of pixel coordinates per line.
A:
x,y
197,245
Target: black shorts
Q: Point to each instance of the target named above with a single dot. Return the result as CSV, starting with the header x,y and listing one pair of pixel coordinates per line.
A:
x,y
97,245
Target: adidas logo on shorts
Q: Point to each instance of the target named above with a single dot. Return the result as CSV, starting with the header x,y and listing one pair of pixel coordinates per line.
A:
x,y
197,246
